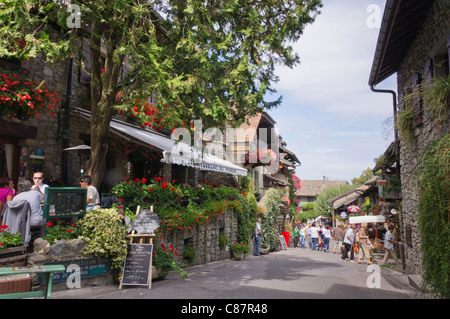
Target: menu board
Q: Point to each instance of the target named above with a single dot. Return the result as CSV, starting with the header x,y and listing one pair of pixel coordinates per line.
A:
x,y
137,265
145,223
283,243
63,202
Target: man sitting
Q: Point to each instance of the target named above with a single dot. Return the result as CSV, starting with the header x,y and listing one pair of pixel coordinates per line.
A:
x,y
34,198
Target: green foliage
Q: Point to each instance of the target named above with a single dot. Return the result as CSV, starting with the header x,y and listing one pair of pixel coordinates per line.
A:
x,y
223,241
394,185
249,210
9,240
405,123
269,220
196,56
436,98
321,205
164,259
189,254
106,233
434,203
365,176
240,248
59,229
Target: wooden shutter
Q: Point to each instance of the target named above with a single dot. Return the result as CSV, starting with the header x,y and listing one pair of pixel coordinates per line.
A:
x,y
448,53
417,100
85,72
429,71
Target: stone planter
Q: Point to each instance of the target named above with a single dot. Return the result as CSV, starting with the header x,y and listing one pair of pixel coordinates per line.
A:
x,y
237,255
264,251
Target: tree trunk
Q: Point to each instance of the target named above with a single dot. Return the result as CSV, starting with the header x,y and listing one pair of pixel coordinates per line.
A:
x,y
103,93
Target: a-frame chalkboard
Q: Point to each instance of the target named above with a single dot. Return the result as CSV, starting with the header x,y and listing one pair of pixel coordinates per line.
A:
x,y
137,266
283,243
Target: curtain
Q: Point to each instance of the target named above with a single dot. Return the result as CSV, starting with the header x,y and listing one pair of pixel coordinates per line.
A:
x,y
9,151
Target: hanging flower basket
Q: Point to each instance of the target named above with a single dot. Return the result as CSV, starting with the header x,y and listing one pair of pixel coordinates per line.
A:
x,y
263,156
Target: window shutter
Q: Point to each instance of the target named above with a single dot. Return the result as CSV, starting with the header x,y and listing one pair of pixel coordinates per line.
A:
x,y
448,53
417,100
429,71
85,68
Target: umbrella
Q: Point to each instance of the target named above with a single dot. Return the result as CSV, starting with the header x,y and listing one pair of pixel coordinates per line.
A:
x,y
353,209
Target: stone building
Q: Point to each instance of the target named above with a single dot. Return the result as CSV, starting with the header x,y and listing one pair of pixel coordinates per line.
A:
x,y
414,43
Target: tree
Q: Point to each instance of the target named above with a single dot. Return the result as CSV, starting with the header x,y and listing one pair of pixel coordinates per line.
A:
x,y
209,60
321,205
364,177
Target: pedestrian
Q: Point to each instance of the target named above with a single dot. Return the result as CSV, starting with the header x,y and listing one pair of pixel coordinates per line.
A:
x,y
92,197
308,235
38,179
326,237
338,235
296,235
314,236
363,242
349,240
302,236
257,232
389,241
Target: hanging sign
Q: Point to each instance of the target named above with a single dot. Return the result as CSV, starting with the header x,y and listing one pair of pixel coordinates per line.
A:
x,y
145,222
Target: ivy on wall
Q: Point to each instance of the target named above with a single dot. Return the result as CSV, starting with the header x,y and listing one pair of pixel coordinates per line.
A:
x,y
434,215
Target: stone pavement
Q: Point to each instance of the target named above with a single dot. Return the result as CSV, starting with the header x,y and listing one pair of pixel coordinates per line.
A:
x,y
291,274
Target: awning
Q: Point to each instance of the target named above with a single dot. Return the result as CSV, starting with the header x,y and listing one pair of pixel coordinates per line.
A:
x,y
366,219
167,146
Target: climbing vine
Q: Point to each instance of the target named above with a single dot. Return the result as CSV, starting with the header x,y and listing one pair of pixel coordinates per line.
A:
x,y
434,185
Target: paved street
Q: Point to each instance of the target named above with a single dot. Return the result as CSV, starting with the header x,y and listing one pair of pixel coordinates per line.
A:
x,y
292,274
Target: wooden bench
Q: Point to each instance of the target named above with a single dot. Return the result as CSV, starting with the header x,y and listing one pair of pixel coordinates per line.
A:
x,y
45,272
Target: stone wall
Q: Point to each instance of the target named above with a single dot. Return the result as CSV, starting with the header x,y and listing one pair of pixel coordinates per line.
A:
x,y
205,238
431,38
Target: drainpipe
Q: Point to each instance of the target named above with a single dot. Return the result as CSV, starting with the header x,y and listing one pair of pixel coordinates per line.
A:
x,y
66,133
394,97
396,145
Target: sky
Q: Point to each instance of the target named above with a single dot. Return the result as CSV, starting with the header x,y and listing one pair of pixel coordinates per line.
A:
x,y
329,116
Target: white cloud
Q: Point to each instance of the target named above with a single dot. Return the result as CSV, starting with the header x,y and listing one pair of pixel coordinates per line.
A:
x,y
329,116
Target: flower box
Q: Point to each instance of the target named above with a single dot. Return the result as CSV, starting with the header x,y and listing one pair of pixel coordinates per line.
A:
x,y
13,256
15,283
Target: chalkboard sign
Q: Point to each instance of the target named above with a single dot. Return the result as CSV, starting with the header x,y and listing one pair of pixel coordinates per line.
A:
x,y
283,242
145,223
137,265
63,202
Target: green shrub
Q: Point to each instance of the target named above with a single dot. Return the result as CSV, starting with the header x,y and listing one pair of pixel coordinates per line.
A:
x,y
434,203
189,254
106,233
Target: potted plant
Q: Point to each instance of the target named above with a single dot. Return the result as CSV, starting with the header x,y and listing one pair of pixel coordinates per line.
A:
x,y
164,261
12,250
239,250
264,249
